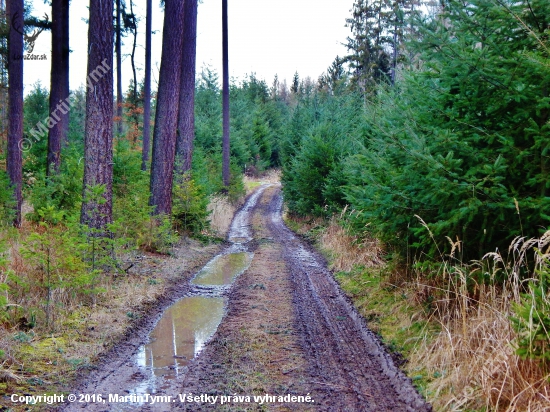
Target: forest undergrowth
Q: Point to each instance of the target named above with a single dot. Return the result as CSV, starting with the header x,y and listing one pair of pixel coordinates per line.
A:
x,y
466,344
59,315
69,292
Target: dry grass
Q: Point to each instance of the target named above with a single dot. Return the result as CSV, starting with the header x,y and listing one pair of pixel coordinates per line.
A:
x,y
474,353
479,370
470,364
221,213
347,251
269,176
272,176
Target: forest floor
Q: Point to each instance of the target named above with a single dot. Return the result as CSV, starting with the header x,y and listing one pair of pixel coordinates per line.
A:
x,y
288,331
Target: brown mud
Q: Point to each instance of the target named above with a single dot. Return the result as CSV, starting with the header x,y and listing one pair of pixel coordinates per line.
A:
x,y
288,330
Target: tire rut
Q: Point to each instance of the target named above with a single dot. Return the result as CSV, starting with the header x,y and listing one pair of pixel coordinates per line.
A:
x,y
349,366
289,329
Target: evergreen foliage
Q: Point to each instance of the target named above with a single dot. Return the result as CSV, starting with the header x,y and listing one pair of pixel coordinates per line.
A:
x,y
36,109
463,142
378,30
7,202
190,206
320,136
460,143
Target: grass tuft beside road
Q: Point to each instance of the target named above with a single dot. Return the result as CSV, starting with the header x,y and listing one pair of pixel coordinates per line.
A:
x,y
457,346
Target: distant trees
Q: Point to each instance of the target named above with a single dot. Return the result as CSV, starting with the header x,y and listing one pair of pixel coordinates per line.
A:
x,y
14,161
377,28
335,77
98,157
258,120
462,142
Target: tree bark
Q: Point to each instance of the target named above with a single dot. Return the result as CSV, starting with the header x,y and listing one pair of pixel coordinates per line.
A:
x,y
134,114
147,88
225,97
59,90
133,55
186,122
14,161
118,52
166,118
98,154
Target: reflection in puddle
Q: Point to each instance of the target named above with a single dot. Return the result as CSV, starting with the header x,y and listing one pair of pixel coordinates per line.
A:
x,y
180,334
188,324
222,270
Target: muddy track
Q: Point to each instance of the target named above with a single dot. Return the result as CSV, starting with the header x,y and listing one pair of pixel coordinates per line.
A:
x,y
115,367
289,329
349,367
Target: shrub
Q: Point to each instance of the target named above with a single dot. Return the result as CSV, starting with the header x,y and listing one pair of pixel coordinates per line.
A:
x,y
189,206
55,257
7,201
62,191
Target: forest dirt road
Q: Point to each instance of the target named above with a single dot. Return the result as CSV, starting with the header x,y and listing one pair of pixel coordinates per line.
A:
x,y
288,330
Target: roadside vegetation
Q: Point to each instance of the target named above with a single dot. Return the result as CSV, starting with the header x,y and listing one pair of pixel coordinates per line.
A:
x,y
477,346
419,163
66,296
428,191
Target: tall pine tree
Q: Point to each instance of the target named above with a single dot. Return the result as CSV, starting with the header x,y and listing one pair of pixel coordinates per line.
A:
x,y
98,156
15,102
166,119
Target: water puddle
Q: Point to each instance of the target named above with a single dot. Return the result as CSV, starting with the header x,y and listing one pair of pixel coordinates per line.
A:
x,y
187,325
180,335
223,269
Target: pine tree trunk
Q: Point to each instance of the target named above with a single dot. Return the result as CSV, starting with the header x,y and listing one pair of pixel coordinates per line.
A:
x,y
59,90
14,161
394,54
186,121
98,155
166,117
225,97
133,54
118,69
147,88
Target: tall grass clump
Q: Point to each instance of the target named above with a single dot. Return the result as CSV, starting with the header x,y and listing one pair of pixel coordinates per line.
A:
x,y
492,350
476,334
221,212
347,248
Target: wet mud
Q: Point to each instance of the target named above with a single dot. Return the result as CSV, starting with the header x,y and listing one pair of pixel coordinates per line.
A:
x,y
265,316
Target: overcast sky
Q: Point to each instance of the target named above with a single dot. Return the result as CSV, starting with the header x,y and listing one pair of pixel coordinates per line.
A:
x,y
265,37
